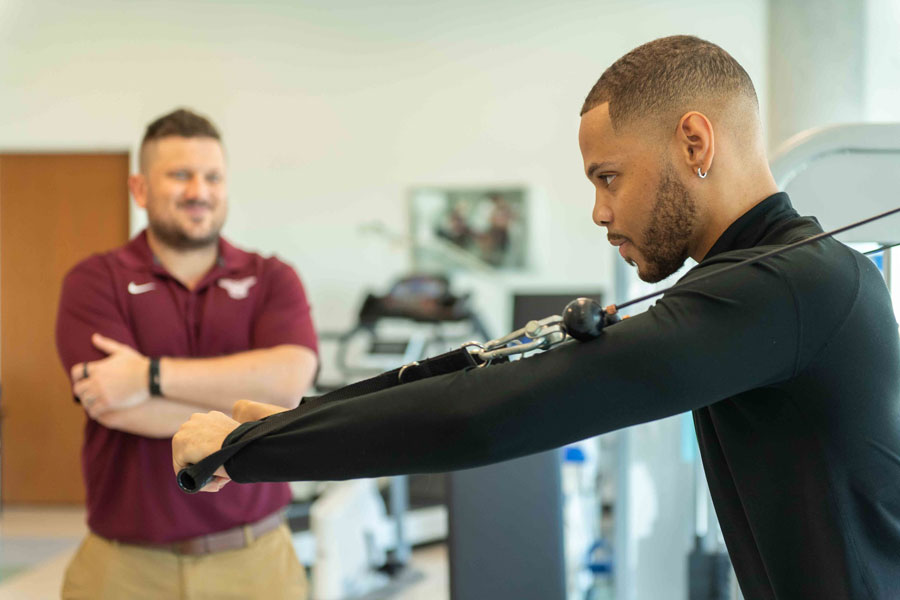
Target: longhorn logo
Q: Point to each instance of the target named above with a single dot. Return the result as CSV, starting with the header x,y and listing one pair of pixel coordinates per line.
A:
x,y
238,289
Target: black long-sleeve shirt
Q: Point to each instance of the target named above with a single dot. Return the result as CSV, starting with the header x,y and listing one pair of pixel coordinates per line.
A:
x,y
791,367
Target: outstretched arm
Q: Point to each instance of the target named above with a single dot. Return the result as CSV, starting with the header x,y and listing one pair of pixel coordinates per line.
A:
x,y
694,348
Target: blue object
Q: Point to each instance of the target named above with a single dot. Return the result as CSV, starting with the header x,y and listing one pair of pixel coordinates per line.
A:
x,y
689,449
878,259
573,454
599,558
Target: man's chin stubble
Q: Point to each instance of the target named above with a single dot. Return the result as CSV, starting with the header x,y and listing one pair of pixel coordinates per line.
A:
x,y
178,239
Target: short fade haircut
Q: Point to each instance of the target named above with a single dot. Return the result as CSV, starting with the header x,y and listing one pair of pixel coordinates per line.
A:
x,y
178,123
668,76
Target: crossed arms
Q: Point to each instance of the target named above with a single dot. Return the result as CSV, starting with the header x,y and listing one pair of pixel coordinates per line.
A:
x,y
116,391
92,331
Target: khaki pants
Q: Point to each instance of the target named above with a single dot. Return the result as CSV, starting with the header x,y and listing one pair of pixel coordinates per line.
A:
x,y
266,569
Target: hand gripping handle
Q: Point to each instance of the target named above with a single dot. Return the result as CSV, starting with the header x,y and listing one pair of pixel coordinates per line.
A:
x,y
194,477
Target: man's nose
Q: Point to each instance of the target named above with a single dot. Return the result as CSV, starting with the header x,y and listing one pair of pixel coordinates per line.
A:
x,y
197,187
602,213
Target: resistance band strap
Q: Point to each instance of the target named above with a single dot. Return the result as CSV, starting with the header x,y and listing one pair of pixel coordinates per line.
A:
x,y
192,478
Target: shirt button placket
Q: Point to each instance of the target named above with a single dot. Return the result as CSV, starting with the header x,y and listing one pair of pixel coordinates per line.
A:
x,y
191,320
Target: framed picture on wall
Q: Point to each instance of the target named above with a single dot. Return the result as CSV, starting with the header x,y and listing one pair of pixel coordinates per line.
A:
x,y
469,228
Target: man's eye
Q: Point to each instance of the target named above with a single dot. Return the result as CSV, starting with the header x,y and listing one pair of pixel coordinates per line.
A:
x,y
214,178
608,179
180,175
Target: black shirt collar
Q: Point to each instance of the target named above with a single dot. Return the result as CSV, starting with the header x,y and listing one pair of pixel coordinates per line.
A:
x,y
751,227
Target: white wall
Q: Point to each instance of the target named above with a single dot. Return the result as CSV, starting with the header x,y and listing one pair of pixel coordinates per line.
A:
x,y
816,65
332,110
882,52
831,62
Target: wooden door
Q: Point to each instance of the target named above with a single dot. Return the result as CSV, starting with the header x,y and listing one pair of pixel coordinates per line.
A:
x,y
55,210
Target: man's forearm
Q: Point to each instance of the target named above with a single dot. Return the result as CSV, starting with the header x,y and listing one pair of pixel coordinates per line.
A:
x,y
155,418
279,375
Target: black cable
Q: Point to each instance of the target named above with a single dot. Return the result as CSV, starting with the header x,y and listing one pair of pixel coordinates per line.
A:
x,y
882,249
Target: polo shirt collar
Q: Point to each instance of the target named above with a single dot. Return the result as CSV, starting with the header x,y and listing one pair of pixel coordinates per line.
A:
x,y
137,255
753,226
230,258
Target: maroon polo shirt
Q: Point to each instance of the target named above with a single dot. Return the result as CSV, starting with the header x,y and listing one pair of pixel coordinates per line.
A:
x,y
246,301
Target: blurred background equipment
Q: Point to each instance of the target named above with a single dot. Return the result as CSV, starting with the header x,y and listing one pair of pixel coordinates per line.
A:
x,y
508,518
419,316
362,533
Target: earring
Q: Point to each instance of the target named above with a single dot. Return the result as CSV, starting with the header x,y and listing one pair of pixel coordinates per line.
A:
x,y
700,174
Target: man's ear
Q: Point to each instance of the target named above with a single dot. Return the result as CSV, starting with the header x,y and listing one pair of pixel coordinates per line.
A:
x,y
696,141
137,185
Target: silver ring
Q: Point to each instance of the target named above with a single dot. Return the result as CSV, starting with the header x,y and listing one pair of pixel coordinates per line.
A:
x,y
84,371
478,347
403,369
700,174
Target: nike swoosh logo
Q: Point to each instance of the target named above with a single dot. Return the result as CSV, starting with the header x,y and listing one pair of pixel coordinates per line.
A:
x,y
134,288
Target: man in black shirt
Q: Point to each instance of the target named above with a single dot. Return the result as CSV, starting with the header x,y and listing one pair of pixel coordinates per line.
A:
x,y
791,365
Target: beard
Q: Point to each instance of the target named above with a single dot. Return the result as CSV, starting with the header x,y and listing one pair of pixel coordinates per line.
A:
x,y
174,236
672,224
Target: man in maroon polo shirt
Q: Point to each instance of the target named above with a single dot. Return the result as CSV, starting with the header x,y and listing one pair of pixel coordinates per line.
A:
x,y
175,322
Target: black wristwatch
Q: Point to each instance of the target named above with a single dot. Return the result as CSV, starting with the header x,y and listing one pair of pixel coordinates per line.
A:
x,y
155,390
